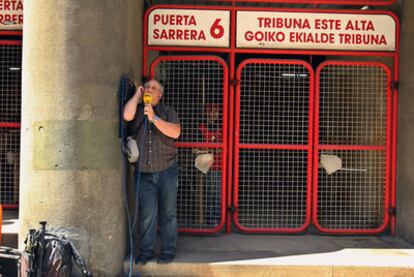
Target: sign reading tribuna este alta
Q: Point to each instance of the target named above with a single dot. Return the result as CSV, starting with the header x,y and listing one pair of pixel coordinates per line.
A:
x,y
361,31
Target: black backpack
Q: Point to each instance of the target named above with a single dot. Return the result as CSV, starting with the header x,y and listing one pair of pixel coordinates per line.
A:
x,y
47,255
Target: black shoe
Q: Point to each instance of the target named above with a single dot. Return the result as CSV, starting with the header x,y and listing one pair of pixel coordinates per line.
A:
x,y
165,258
143,259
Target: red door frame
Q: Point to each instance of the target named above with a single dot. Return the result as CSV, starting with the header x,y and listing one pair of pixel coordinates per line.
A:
x,y
223,145
292,147
386,148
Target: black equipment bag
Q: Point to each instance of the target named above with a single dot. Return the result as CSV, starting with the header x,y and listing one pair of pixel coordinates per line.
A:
x,y
49,255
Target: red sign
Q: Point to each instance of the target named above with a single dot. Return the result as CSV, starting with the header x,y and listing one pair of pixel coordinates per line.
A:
x,y
182,27
11,14
321,31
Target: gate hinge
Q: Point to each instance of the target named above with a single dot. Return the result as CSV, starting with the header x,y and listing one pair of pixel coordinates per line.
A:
x,y
235,82
392,210
395,85
231,209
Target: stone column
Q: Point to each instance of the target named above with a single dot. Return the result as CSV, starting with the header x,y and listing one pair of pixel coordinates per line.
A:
x,y
74,54
405,149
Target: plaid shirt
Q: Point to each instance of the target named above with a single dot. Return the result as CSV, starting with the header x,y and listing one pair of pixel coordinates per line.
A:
x,y
157,152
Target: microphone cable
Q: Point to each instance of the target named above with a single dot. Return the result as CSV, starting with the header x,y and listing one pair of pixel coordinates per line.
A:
x,y
147,99
125,80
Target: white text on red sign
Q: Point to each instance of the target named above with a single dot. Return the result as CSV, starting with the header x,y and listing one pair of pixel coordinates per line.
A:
x,y
324,31
181,27
11,14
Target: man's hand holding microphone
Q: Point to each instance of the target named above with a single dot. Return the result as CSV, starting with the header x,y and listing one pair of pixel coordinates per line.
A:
x,y
139,96
148,110
146,97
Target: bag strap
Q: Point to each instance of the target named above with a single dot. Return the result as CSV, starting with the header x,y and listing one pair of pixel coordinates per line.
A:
x,y
79,260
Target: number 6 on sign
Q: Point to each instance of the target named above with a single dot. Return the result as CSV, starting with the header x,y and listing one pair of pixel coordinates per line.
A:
x,y
216,30
185,27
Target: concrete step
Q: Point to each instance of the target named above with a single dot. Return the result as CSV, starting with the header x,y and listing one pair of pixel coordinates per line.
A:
x,y
296,255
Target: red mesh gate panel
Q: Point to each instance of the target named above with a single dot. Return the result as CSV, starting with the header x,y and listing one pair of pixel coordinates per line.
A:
x,y
10,102
352,147
273,145
197,89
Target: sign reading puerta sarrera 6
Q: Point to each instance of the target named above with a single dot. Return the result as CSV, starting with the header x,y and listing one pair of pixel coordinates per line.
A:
x,y
11,14
273,29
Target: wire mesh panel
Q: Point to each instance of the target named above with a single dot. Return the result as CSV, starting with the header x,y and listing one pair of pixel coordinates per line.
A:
x,y
9,166
10,108
352,103
273,145
196,88
274,104
352,148
352,197
10,86
272,188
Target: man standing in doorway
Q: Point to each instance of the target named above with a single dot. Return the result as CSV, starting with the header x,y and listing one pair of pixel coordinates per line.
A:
x,y
211,132
156,128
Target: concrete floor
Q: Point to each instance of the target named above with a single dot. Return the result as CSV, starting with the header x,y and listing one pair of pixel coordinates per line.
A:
x,y
272,255
286,255
243,248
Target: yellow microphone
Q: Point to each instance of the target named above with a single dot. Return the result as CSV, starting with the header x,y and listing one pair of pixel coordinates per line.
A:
x,y
147,97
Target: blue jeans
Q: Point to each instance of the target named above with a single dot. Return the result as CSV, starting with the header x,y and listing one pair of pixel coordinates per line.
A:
x,y
158,192
213,197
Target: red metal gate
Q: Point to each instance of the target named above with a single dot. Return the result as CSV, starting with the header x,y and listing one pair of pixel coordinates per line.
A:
x,y
196,86
278,153
10,103
273,145
352,147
